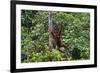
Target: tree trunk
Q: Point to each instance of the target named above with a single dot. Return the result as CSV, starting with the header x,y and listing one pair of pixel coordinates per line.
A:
x,y
52,43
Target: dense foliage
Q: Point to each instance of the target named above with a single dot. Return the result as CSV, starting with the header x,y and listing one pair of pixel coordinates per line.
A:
x,y
34,36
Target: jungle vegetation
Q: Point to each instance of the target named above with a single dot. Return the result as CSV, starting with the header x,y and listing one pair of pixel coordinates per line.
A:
x,y
54,36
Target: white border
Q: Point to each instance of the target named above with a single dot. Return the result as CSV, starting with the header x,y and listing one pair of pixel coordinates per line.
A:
x,y
20,65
